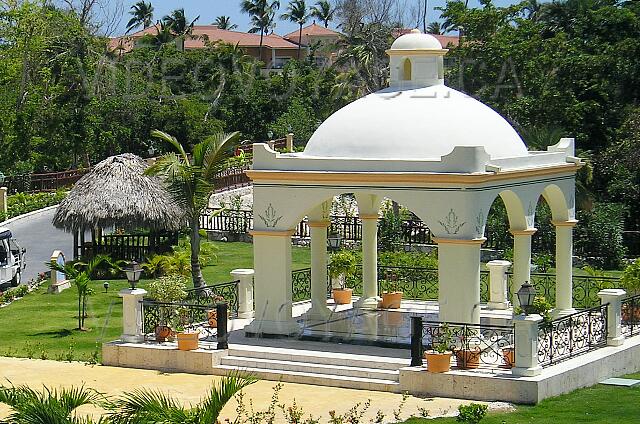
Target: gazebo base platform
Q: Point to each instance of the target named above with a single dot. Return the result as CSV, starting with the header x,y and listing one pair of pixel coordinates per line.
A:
x,y
326,354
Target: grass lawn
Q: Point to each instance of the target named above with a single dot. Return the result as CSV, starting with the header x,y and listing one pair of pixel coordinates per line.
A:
x,y
43,325
596,404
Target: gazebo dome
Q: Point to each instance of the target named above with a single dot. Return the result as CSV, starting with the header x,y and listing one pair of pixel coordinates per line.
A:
x,y
417,117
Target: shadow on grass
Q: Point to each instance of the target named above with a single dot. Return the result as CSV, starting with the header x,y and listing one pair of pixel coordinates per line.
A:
x,y
55,333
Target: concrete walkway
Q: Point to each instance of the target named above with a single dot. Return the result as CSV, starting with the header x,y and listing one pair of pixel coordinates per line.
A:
x,y
315,400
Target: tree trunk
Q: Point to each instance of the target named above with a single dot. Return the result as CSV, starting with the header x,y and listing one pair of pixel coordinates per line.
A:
x,y
260,51
196,272
299,41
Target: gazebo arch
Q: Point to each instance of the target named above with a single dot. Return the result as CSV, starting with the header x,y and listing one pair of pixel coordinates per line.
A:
x,y
403,144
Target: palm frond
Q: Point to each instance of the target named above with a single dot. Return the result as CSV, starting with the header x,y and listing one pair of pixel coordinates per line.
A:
x,y
147,406
218,147
221,393
171,140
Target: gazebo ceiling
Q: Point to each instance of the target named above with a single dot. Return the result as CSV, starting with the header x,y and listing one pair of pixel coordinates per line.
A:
x,y
117,193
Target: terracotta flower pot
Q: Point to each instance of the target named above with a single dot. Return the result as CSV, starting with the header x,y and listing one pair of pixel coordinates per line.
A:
x,y
342,296
212,318
163,332
631,313
468,358
188,341
438,362
509,356
391,300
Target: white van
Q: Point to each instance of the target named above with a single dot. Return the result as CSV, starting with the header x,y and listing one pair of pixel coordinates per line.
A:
x,y
11,259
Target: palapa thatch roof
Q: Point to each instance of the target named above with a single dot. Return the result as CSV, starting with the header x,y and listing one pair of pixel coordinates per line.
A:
x,y
117,193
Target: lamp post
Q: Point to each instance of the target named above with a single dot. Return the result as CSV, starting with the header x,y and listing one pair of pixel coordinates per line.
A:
x,y
333,241
134,270
526,295
106,286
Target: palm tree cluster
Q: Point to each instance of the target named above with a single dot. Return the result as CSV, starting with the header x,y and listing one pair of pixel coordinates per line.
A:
x,y
262,14
51,406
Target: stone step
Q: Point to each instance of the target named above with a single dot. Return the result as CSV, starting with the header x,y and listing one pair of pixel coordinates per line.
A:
x,y
312,378
319,357
308,367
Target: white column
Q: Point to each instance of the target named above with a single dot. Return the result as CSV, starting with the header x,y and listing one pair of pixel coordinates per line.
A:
x,y
498,298
614,298
289,140
521,260
526,335
3,200
319,310
459,280
245,291
564,267
132,315
370,297
272,284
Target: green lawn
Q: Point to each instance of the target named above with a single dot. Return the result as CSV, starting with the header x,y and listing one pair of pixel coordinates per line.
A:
x,y
596,404
42,325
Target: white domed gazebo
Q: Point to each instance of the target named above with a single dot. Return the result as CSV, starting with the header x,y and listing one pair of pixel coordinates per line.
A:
x,y
433,149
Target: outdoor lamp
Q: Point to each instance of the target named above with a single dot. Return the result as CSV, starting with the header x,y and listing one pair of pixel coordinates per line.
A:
x,y
270,135
106,286
526,294
2,177
133,273
333,241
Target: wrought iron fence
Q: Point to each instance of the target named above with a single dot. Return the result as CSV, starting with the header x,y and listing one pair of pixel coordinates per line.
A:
x,y
301,284
231,178
210,295
415,283
162,315
573,335
473,345
631,316
51,181
131,246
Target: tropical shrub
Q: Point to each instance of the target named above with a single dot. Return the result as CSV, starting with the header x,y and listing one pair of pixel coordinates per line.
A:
x,y
598,237
472,413
168,289
342,263
630,279
21,203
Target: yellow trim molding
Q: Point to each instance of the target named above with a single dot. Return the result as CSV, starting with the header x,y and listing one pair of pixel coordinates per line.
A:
x,y
317,224
369,216
527,232
287,233
404,177
417,52
569,223
458,241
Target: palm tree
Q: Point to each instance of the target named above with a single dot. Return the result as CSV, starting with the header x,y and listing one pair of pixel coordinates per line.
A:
x,y
323,11
533,9
146,406
434,28
142,15
48,406
190,182
262,13
178,24
297,12
224,22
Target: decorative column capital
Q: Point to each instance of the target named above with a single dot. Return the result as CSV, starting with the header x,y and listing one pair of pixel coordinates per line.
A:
x,y
442,240
569,223
263,233
525,232
498,264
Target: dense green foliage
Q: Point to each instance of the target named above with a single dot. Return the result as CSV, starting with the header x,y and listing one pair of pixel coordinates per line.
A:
x,y
21,203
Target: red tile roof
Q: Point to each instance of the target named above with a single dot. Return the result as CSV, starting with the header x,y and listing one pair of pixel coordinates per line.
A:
x,y
213,34
313,30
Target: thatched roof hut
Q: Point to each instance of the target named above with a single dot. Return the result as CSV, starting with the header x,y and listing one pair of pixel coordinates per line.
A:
x,y
117,193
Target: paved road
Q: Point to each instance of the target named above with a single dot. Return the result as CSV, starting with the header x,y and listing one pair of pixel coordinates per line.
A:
x,y
40,238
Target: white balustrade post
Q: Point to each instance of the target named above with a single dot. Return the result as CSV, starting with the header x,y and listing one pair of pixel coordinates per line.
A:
x,y
498,297
245,291
289,140
614,298
526,337
3,200
132,331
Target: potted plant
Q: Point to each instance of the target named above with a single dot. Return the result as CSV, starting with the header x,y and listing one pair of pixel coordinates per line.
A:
x,y
342,267
391,299
187,338
468,355
509,356
439,358
212,314
167,291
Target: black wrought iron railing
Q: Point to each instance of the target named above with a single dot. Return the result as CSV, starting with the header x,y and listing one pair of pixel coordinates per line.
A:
x,y
631,316
473,345
162,315
573,335
415,283
210,295
301,284
131,246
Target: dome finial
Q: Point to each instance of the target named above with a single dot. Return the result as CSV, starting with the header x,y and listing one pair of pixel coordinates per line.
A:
x,y
416,60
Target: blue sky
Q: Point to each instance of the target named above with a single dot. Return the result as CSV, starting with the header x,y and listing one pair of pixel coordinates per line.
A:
x,y
210,9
